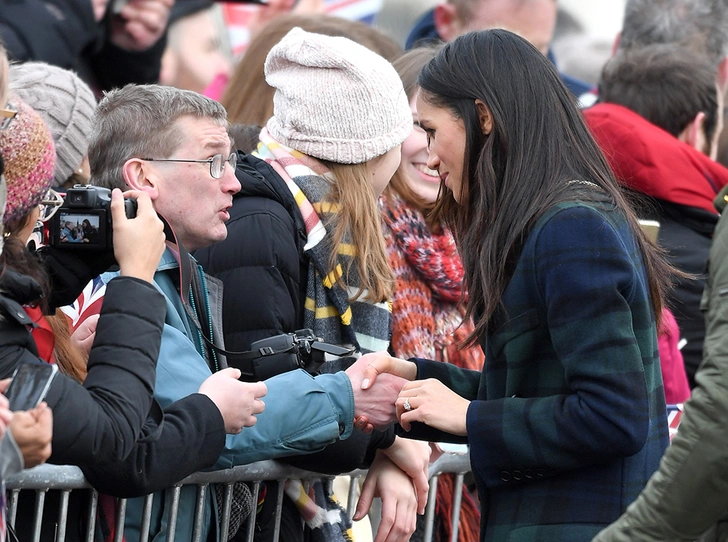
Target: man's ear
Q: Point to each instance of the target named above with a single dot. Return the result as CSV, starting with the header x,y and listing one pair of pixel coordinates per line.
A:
x,y
485,117
694,133
139,176
447,22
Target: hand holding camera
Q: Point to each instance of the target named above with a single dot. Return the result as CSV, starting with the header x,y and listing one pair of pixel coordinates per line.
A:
x,y
138,242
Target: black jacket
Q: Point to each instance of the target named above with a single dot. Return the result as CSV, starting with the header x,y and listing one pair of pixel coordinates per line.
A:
x,y
263,268
686,235
112,429
102,421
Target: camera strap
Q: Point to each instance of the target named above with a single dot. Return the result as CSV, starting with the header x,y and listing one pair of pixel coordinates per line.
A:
x,y
189,278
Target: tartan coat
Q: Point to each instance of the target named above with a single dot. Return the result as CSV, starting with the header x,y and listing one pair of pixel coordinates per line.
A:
x,y
567,420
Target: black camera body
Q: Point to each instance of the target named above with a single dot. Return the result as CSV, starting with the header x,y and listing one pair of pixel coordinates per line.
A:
x,y
287,352
83,222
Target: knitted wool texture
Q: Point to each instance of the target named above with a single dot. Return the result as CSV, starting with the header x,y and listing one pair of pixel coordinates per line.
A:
x,y
427,314
335,99
65,103
30,159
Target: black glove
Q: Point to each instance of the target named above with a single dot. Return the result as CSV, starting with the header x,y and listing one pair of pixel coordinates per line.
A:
x,y
71,270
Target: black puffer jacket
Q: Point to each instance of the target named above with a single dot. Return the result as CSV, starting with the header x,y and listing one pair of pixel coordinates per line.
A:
x,y
101,420
262,266
110,426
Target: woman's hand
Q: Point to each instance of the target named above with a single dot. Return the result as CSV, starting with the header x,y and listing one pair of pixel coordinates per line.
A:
x,y
237,401
32,431
363,375
138,242
399,502
413,457
433,403
83,337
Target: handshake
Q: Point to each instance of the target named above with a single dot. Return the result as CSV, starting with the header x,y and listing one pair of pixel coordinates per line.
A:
x,y
385,391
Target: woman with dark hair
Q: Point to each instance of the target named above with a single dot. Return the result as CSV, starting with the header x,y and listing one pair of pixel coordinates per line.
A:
x,y
566,422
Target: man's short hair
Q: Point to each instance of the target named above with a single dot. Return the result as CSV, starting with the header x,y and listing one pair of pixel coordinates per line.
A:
x,y
699,25
138,121
665,84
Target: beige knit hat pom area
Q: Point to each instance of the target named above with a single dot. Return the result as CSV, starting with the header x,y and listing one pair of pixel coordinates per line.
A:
x,y
335,99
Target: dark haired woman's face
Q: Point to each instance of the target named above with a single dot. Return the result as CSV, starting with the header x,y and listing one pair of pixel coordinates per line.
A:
x,y
446,144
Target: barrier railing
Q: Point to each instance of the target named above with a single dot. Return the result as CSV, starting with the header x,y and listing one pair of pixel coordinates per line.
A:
x,y
66,479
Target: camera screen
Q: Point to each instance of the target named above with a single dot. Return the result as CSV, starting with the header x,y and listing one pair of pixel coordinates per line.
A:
x,y
79,228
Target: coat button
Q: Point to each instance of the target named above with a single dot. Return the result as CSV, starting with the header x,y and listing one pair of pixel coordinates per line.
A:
x,y
528,473
517,475
540,473
505,476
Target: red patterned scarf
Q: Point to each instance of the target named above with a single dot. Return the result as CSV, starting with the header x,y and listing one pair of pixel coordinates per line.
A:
x,y
427,311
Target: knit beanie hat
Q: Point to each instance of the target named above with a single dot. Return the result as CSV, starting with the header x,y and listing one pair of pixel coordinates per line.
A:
x,y
27,148
335,99
65,103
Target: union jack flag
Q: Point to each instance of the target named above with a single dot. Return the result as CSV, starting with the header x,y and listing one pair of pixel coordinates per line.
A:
x,y
674,415
88,303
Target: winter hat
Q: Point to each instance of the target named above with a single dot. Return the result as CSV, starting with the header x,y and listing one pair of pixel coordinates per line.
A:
x,y
30,158
335,99
65,103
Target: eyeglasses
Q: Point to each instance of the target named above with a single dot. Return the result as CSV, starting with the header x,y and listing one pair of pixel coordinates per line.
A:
x,y
49,205
217,163
7,114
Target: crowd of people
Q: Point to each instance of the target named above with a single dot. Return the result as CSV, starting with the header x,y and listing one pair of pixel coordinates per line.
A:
x,y
342,254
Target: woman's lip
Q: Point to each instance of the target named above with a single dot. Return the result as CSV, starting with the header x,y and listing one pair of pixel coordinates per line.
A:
x,y
425,176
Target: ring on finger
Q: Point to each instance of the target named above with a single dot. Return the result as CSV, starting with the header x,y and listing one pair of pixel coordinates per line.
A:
x,y
407,405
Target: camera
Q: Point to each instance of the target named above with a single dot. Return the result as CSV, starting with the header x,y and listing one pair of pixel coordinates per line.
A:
x,y
83,221
287,352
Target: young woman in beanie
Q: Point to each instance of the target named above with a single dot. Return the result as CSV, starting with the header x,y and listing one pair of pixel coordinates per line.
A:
x,y
428,302
567,420
305,246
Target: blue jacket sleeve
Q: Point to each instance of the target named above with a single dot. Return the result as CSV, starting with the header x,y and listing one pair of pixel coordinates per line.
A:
x,y
303,414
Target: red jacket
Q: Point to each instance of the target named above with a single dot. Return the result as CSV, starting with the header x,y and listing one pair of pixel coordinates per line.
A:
x,y
681,184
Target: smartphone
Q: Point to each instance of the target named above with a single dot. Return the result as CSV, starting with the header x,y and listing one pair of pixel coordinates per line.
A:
x,y
30,385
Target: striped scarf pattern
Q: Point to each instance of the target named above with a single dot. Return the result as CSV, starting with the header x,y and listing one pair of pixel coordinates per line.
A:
x,y
328,311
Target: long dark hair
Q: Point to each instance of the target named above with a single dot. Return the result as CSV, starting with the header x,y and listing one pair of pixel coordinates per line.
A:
x,y
512,176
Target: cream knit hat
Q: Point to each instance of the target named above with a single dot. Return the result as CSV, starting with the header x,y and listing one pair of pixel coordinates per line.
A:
x,y
335,99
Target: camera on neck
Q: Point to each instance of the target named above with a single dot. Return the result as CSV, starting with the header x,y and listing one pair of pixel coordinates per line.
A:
x,y
286,352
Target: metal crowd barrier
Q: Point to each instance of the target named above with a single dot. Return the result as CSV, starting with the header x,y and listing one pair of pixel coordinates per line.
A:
x,y
66,479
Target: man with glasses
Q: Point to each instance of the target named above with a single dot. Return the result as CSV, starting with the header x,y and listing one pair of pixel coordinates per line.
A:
x,y
173,144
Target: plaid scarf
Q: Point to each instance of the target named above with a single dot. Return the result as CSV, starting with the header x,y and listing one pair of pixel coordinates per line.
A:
x,y
328,311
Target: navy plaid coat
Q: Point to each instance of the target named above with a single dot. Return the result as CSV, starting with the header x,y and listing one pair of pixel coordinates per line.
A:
x,y
568,420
